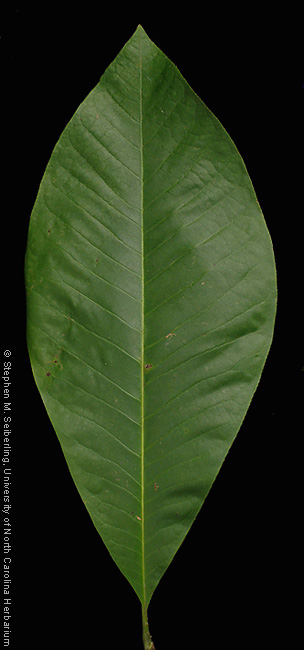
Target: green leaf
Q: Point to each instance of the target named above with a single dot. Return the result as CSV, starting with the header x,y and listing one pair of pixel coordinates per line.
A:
x,y
151,298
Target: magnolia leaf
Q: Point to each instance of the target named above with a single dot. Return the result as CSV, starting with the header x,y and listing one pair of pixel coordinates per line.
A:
x,y
151,299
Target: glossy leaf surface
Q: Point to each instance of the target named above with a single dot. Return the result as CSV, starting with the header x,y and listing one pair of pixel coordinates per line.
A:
x,y
151,303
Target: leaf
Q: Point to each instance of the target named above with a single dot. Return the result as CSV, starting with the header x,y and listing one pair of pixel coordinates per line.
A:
x,y
151,298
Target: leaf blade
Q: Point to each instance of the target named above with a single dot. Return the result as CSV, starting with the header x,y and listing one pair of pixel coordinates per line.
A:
x,y
151,313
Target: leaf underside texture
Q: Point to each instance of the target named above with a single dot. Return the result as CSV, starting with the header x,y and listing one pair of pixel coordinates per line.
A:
x,y
151,302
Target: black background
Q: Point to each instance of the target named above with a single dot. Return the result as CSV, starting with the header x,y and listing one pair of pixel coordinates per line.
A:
x,y
236,577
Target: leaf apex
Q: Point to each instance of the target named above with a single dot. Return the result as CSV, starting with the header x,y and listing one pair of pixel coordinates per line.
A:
x,y
140,30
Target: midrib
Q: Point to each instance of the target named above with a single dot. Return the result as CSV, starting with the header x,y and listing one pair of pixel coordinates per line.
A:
x,y
142,336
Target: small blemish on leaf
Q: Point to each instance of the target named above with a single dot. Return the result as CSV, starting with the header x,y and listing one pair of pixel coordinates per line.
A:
x,y
55,360
148,366
48,374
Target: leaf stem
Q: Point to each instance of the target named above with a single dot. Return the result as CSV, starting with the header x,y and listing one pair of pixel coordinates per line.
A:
x,y
147,639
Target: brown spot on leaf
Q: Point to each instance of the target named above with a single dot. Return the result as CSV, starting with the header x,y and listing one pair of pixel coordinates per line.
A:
x,y
148,366
48,374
